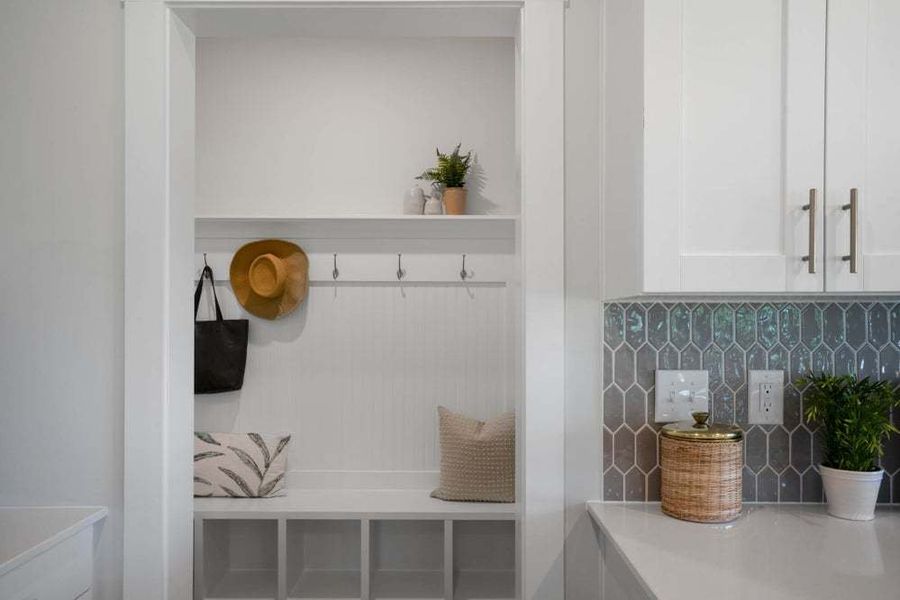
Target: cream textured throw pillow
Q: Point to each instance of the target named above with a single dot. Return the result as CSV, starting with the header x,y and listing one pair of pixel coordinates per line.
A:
x,y
239,465
478,458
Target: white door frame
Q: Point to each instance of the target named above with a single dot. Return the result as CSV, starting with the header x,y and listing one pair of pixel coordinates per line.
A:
x,y
159,184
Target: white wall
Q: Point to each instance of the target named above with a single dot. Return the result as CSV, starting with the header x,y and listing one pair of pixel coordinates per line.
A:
x,y
61,235
311,126
357,372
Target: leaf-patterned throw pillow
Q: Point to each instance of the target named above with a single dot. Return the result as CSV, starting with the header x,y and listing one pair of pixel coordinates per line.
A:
x,y
239,465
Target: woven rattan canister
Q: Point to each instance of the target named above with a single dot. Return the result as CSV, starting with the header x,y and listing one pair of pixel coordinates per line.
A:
x,y
701,470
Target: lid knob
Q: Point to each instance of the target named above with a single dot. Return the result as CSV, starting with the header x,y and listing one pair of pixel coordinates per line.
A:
x,y
700,419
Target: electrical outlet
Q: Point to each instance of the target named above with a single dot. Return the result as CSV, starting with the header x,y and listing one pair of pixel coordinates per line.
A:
x,y
766,397
680,393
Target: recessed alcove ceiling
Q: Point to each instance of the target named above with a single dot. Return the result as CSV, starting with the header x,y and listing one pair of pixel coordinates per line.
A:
x,y
362,20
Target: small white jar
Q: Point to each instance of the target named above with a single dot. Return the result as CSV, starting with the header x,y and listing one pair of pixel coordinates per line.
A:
x,y
434,205
414,201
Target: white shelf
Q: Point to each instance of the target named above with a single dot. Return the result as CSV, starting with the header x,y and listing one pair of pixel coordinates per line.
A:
x,y
358,227
230,18
352,504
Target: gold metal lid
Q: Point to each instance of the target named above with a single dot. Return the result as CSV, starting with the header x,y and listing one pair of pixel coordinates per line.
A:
x,y
699,430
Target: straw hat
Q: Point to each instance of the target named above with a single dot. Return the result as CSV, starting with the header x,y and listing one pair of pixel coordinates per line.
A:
x,y
269,277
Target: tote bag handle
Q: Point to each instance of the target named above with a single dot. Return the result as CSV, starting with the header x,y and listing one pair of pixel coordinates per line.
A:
x,y
207,272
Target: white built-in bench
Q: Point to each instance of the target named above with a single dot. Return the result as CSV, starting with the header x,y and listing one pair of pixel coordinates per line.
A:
x,y
354,544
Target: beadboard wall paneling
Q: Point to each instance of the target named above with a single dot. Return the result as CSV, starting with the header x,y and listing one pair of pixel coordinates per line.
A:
x,y
318,125
357,372
728,340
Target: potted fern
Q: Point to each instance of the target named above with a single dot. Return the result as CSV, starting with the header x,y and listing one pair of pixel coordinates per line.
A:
x,y
450,172
855,414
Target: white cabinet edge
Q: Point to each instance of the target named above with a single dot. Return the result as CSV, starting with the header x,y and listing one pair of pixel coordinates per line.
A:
x,y
93,514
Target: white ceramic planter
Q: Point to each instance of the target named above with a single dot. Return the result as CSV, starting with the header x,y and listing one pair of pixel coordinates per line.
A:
x,y
851,494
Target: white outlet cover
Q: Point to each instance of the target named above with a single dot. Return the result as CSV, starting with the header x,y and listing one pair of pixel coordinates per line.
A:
x,y
680,393
770,412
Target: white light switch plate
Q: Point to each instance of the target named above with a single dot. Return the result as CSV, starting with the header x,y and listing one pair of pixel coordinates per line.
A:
x,y
680,393
766,397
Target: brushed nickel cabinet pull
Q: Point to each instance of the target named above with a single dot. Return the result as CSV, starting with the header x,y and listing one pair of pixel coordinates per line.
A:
x,y
810,258
853,207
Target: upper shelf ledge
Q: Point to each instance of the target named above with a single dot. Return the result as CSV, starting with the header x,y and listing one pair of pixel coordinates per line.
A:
x,y
359,226
350,18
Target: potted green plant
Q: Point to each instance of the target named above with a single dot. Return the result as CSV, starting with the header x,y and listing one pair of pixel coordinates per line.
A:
x,y
450,172
855,414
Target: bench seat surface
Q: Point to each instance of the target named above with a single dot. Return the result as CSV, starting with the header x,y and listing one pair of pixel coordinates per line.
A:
x,y
351,504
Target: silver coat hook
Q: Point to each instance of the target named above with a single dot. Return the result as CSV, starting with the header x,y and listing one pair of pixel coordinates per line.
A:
x,y
335,272
400,272
463,274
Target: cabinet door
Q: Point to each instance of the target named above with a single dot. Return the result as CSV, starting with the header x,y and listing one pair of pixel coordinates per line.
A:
x,y
863,144
733,144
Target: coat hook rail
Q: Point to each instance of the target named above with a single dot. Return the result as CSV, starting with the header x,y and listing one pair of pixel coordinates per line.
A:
x,y
368,268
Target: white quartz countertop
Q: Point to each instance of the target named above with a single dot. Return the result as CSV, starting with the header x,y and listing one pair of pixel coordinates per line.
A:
x,y
25,532
771,551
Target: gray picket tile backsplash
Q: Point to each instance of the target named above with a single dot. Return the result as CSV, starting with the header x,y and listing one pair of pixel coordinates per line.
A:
x,y
729,340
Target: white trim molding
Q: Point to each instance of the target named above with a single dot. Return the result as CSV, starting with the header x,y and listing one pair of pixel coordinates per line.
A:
x,y
543,190
158,332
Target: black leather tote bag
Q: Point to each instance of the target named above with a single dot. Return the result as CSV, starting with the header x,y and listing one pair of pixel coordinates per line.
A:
x,y
220,347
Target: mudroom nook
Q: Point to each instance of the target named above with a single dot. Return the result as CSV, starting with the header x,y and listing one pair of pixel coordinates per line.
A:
x,y
309,146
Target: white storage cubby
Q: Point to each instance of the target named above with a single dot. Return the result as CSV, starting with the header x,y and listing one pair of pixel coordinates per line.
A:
x,y
407,559
240,558
484,560
323,559
353,544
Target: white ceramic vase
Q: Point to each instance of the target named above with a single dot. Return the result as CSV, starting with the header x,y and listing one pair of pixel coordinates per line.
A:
x,y
434,206
851,494
414,201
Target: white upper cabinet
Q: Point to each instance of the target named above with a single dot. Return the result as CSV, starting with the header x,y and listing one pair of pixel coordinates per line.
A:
x,y
863,153
721,133
709,195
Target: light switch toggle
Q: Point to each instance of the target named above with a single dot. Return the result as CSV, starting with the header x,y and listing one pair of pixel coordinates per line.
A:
x,y
680,393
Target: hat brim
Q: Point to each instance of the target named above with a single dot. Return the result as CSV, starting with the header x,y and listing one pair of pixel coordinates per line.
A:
x,y
296,284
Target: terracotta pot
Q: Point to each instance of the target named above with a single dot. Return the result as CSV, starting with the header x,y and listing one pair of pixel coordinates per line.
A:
x,y
455,201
